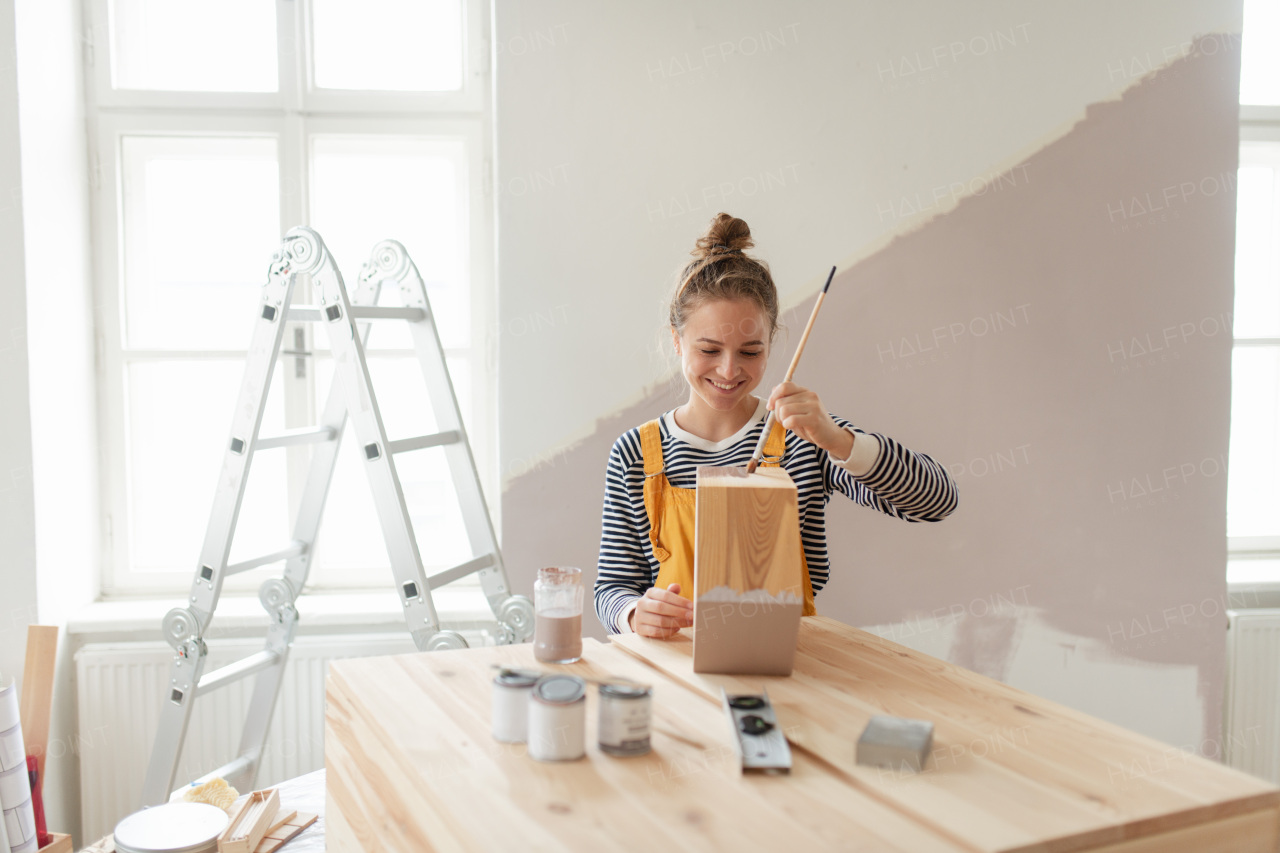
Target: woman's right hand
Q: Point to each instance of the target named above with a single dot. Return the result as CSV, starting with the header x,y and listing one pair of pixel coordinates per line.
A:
x,y
661,613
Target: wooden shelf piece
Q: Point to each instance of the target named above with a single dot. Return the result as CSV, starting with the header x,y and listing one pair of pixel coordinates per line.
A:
x,y
748,574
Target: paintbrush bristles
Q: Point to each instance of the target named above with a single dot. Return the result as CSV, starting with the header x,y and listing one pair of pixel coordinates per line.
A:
x,y
791,371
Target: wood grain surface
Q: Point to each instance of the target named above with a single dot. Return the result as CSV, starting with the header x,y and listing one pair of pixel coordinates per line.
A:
x,y
411,766
1009,771
748,532
37,690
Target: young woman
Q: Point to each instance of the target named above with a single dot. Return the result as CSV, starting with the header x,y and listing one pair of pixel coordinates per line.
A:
x,y
723,318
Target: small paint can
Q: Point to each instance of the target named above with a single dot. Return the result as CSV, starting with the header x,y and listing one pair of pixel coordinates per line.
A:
x,y
558,718
511,689
625,711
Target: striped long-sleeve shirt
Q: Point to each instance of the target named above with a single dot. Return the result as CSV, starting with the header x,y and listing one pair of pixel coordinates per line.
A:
x,y
900,483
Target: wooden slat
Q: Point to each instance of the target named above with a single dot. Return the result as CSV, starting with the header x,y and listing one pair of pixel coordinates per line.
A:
x,y
37,691
1009,770
412,766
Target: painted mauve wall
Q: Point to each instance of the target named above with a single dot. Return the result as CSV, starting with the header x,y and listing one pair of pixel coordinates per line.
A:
x,y
1054,329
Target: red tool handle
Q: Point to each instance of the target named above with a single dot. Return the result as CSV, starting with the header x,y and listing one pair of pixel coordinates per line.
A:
x,y
43,838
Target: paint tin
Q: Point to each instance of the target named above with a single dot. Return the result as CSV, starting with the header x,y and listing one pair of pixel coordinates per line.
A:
x,y
511,688
172,828
558,718
625,711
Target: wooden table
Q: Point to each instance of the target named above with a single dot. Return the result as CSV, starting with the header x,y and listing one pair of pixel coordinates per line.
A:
x,y
411,764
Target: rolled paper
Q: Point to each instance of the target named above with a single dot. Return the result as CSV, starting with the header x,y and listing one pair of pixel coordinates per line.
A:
x,y
15,782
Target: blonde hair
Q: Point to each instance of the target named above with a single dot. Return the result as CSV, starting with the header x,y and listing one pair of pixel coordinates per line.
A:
x,y
721,270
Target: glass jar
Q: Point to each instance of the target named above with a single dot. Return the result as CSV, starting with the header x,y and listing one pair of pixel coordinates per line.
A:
x,y
557,605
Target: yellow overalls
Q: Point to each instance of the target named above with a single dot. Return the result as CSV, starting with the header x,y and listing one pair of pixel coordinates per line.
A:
x,y
671,513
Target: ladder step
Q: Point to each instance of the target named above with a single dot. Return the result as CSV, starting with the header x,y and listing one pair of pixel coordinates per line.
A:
x,y
306,435
297,549
318,313
468,568
238,670
404,445
234,767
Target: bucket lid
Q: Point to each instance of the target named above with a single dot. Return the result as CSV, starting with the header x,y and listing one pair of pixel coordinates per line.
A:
x,y
172,828
560,689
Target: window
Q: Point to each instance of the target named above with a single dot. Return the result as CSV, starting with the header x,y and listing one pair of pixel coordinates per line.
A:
x,y
1253,507
215,129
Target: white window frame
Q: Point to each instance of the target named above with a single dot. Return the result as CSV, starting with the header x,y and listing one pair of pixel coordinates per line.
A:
x,y
1257,124
291,116
297,90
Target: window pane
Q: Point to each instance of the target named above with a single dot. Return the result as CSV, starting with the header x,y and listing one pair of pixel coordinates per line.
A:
x,y
351,537
395,45
1259,53
1253,503
179,422
1257,305
201,221
368,189
189,46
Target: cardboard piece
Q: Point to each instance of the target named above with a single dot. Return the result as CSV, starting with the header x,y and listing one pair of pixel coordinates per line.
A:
x,y
748,575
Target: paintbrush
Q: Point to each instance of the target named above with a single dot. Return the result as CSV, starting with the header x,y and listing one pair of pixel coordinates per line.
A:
x,y
795,360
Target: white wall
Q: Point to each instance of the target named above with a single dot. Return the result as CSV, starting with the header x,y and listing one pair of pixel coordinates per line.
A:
x,y
17,515
830,127
60,413
619,124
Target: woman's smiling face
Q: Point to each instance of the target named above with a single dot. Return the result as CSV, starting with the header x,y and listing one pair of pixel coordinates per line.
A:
x,y
723,352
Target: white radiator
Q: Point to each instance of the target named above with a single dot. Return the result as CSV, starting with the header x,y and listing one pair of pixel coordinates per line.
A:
x,y
1251,714
120,690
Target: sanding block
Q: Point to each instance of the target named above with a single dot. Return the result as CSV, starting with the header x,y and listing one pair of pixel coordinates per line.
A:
x,y
896,742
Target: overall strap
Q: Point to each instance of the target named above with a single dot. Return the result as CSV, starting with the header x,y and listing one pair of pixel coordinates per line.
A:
x,y
654,483
651,448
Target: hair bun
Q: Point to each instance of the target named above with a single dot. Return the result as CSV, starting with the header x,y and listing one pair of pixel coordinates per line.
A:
x,y
725,234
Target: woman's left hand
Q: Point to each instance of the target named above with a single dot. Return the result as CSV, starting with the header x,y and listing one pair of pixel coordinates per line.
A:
x,y
799,410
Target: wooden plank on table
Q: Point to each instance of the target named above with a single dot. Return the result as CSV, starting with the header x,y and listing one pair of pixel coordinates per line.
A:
x,y
411,765
37,690
746,546
1008,770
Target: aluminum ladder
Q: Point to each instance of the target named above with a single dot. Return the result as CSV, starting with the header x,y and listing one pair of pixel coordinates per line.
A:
x,y
347,321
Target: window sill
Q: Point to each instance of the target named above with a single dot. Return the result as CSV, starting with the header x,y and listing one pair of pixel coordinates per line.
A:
x,y
1253,582
242,616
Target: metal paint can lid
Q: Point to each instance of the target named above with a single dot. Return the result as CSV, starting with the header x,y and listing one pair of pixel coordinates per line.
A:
x,y
515,678
625,691
172,828
560,690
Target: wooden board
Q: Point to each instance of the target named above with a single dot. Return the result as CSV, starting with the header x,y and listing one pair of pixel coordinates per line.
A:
x,y
37,690
59,843
748,532
411,766
284,831
748,576
1009,771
